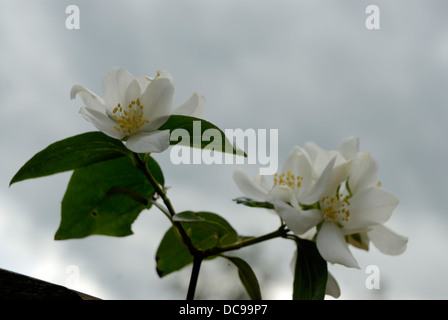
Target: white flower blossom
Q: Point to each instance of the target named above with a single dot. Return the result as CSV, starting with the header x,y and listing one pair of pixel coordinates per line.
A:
x,y
335,194
134,108
294,184
354,204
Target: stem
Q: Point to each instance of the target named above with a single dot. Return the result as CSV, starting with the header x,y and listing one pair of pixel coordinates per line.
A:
x,y
161,208
197,260
282,232
141,165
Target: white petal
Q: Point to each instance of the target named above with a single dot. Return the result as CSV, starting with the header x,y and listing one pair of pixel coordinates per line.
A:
x,y
299,165
293,161
387,241
132,93
339,174
90,99
282,193
312,150
332,287
143,81
349,148
316,192
115,84
157,102
101,122
364,172
369,207
251,189
332,246
298,221
149,142
193,107
162,74
260,180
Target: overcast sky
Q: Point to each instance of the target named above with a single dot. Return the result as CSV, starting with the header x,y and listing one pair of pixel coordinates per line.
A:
x,y
310,69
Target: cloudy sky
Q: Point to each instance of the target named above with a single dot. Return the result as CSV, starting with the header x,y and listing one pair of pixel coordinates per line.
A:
x,y
310,69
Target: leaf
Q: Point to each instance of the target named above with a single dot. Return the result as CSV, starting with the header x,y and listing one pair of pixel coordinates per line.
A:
x,y
131,193
247,277
205,229
310,275
191,134
252,203
89,207
71,153
172,255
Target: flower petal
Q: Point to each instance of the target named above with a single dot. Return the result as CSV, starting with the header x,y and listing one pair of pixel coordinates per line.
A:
x,y
260,180
115,85
339,174
282,193
316,192
132,93
364,172
299,165
298,221
369,207
332,288
349,147
149,142
387,241
157,102
162,74
101,121
143,81
332,246
90,99
193,107
250,188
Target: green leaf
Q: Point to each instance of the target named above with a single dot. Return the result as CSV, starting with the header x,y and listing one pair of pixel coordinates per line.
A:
x,y
254,204
89,207
205,229
172,255
310,275
71,153
198,133
247,277
131,193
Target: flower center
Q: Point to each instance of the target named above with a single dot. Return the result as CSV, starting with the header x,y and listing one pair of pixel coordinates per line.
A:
x,y
129,119
287,179
335,208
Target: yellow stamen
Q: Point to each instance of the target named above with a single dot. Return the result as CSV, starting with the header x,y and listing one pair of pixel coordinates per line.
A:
x,y
335,209
131,120
287,179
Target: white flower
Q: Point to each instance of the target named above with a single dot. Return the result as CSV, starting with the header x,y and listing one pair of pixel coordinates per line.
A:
x,y
295,183
326,169
357,206
352,204
294,186
134,108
